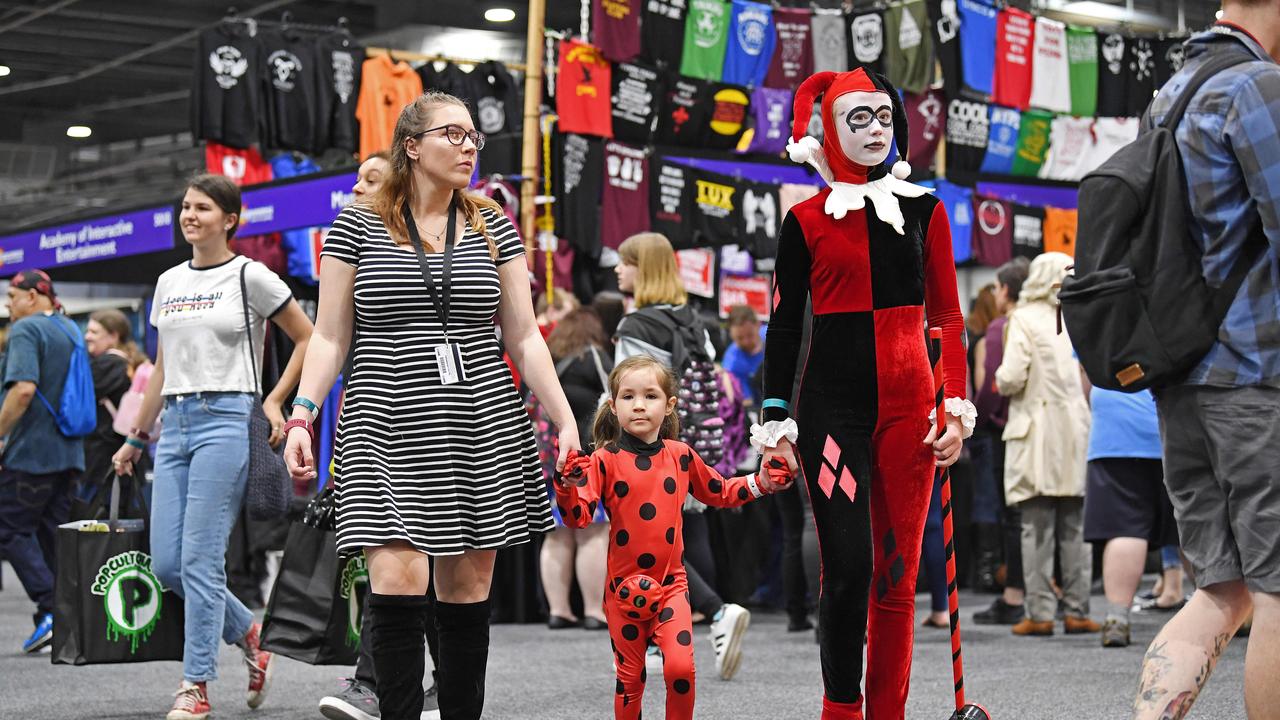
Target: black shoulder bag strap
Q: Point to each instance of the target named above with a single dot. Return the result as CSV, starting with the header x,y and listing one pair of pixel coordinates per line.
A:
x,y
248,329
440,302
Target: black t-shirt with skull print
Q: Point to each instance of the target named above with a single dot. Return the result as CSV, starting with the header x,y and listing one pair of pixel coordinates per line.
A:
x,y
227,93
339,60
1169,57
1113,72
289,80
866,40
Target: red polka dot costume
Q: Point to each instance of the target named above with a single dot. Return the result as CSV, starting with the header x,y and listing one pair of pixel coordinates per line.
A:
x,y
643,487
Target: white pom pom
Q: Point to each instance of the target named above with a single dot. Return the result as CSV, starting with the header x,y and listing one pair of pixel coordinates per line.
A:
x,y
901,170
799,152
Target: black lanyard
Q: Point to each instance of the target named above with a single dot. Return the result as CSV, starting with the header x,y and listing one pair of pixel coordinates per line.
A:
x,y
441,308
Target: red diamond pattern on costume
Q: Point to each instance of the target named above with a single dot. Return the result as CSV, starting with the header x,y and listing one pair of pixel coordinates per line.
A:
x,y
777,297
826,480
847,483
831,469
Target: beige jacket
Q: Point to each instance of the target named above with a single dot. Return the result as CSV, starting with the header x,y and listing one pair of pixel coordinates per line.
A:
x,y
1047,435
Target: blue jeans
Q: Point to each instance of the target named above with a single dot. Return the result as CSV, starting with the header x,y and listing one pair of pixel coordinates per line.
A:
x,y
31,508
988,488
201,466
933,551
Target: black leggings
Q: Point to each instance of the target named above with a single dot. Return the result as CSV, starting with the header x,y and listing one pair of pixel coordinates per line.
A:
x,y
700,564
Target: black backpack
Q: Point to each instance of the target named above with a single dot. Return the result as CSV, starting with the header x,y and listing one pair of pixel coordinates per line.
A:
x,y
1138,308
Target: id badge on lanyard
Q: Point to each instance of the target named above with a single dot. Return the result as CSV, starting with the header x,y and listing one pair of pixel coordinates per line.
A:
x,y
448,354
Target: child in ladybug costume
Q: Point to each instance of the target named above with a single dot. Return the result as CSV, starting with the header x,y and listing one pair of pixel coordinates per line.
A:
x,y
873,254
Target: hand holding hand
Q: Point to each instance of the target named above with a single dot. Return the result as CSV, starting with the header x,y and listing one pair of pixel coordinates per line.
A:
x,y
575,469
568,443
783,451
774,475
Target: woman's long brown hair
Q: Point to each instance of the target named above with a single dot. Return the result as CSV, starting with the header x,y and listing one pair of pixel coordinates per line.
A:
x,y
574,333
397,189
606,430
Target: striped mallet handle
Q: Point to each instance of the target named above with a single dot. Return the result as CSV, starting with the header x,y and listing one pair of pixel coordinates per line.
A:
x,y
948,529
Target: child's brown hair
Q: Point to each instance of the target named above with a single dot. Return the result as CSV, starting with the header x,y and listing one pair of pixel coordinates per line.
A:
x,y
606,430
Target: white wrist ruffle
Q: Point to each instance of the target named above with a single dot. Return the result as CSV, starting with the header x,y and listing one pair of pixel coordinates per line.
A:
x,y
963,409
767,435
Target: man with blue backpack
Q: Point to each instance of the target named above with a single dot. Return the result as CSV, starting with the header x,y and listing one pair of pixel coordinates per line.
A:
x,y
48,408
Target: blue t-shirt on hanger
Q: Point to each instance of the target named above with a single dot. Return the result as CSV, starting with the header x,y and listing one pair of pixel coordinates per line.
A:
x,y
977,44
297,243
750,44
959,203
1002,142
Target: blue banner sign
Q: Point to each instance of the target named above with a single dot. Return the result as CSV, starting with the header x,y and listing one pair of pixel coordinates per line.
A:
x,y
102,238
306,203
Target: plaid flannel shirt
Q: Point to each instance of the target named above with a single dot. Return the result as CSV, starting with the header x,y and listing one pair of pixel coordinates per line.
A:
x,y
1229,141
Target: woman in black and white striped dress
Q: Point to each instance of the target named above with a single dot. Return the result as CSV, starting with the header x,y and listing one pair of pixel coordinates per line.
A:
x,y
435,453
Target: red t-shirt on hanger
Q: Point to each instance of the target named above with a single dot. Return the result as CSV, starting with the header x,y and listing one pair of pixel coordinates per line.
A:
x,y
1015,33
583,79
616,25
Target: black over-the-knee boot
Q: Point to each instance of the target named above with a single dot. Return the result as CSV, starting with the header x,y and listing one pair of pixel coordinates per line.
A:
x,y
399,653
464,655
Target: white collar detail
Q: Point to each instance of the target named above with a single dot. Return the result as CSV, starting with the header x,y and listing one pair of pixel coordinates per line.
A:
x,y
883,194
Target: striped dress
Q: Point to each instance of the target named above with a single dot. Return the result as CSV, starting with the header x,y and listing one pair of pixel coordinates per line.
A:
x,y
445,467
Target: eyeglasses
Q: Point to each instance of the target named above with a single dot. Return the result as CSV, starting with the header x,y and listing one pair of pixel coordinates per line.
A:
x,y
457,135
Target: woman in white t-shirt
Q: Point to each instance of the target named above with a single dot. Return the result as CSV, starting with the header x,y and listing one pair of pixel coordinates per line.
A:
x,y
204,378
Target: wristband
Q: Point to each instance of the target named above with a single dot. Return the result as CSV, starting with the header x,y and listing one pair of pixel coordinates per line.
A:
x,y
135,442
754,487
141,434
775,402
304,424
310,406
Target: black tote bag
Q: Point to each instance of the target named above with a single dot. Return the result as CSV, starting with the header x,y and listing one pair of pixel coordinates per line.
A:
x,y
109,607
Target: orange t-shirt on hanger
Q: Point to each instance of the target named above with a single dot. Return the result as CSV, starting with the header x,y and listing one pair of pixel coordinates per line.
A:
x,y
386,87
1060,231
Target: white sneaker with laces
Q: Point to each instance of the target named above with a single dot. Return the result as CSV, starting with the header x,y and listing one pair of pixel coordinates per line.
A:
x,y
728,627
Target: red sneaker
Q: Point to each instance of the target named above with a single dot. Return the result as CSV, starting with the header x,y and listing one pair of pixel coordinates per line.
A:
x,y
191,702
260,666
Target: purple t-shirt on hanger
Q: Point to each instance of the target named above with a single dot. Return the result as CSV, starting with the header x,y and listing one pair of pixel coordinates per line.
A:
x,y
772,109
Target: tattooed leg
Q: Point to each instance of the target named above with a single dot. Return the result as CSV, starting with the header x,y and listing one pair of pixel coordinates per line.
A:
x,y
1262,663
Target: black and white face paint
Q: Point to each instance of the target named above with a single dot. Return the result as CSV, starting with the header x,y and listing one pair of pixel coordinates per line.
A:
x,y
864,124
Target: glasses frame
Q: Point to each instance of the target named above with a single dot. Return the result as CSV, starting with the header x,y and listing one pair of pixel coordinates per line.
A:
x,y
477,138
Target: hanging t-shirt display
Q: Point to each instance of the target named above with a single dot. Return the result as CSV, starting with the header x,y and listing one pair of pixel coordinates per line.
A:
x,y
683,118
1052,87
227,95
977,39
1002,143
624,206
793,58
992,231
717,208
448,78
750,43
1112,70
945,24
301,246
728,106
242,166
958,201
925,126
1070,145
579,170
1109,135
1060,230
615,25
761,219
670,201
1082,63
1028,231
772,109
386,87
1033,142
830,51
636,91
1140,81
908,57
1169,57
866,40
582,90
662,31
339,60
496,99
706,33
1014,37
968,127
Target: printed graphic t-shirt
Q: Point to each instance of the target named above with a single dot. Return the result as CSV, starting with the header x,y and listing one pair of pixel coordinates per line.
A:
x,y
909,50
977,40
958,201
968,126
1169,57
289,76
579,174
227,96
636,92
1113,67
1028,231
750,44
1033,142
830,51
866,41
1140,82
1002,144
793,59
1082,59
1051,89
772,110
625,199
706,34
1070,144
200,317
1014,38
992,231
616,26
1060,230
662,31
243,167
925,126
728,106
339,60
583,82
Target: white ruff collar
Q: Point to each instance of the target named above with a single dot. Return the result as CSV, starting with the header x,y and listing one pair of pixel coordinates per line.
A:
x,y
883,194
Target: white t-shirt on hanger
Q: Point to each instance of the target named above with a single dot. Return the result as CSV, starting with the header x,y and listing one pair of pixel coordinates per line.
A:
x,y
1050,72
1070,146
1109,135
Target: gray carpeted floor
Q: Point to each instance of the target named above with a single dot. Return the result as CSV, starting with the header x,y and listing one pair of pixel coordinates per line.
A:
x,y
535,673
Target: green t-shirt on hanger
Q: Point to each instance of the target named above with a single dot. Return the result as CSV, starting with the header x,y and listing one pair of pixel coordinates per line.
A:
x,y
1082,59
1033,142
706,33
908,51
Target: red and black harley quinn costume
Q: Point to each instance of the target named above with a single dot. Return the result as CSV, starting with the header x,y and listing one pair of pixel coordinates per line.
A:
x,y
873,252
643,486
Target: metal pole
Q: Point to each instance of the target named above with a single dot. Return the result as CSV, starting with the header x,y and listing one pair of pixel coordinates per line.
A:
x,y
531,136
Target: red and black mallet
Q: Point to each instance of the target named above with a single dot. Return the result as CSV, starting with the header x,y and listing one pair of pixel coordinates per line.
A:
x,y
964,711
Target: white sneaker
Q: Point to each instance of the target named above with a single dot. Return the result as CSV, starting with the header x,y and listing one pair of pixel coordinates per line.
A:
x,y
727,629
653,661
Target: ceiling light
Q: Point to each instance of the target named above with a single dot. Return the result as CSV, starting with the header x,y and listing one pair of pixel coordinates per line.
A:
x,y
499,15
4,70
79,131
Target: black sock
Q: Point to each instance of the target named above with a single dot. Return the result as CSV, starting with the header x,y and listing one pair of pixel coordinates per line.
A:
x,y
399,653
464,655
